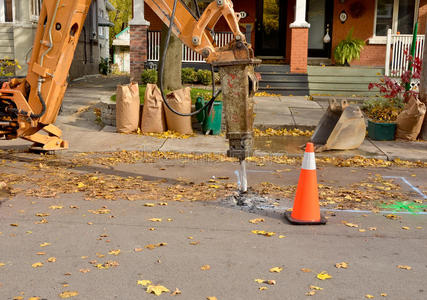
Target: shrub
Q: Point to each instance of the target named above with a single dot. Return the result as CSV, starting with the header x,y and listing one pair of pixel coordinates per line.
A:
x,y
188,75
104,66
204,77
149,76
7,67
348,49
383,109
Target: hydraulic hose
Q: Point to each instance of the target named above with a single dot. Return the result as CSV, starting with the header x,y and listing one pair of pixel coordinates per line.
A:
x,y
32,115
161,71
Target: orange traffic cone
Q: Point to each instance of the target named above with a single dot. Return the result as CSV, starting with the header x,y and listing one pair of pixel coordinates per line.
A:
x,y
306,209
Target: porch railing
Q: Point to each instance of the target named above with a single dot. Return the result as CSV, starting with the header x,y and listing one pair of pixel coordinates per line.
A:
x,y
397,45
188,55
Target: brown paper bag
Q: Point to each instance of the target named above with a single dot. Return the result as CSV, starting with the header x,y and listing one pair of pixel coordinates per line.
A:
x,y
179,100
410,120
153,116
127,108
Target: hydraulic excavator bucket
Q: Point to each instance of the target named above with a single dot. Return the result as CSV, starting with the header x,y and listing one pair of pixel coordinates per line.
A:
x,y
342,127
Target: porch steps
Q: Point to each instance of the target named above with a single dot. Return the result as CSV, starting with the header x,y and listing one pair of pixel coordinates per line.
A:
x,y
343,81
276,79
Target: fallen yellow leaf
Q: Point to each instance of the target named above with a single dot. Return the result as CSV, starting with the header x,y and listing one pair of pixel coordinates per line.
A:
x,y
256,221
384,295
342,265
163,204
157,289
37,265
323,275
264,233
282,236
42,214
404,267
263,288
350,224
276,270
369,296
84,271
114,252
155,220
149,204
313,287
44,244
259,280
68,294
137,249
14,225
176,292
143,282
310,293
51,259
305,270
33,298
205,267
406,228
211,298
56,207
2,264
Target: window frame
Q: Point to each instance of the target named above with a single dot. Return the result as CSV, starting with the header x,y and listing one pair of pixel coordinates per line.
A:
x,y
33,10
382,39
2,12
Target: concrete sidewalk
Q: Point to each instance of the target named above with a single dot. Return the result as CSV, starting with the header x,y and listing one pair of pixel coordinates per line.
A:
x,y
81,127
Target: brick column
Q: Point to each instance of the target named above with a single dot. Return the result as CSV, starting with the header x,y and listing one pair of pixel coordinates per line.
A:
x,y
299,39
138,41
138,51
299,50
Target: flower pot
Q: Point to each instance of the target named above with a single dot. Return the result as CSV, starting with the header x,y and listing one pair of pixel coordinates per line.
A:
x,y
381,131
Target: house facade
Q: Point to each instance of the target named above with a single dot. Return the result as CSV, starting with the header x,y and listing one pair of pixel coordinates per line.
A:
x,y
121,51
303,32
18,25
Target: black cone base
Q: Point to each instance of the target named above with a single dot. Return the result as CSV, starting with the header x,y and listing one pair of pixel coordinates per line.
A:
x,y
298,222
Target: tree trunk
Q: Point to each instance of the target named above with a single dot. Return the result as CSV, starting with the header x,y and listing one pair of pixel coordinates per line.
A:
x,y
172,63
423,92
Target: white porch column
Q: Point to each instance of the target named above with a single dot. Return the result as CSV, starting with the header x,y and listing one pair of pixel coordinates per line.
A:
x,y
300,11
138,14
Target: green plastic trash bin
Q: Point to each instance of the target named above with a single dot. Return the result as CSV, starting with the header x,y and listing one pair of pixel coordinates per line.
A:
x,y
211,124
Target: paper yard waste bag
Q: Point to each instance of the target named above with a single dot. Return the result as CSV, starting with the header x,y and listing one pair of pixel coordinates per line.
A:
x,y
153,114
179,100
127,108
410,120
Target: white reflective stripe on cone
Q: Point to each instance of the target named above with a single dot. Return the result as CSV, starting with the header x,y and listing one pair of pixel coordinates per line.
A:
x,y
309,162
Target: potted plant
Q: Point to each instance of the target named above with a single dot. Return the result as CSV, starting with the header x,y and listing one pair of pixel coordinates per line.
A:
x,y
382,114
348,49
395,92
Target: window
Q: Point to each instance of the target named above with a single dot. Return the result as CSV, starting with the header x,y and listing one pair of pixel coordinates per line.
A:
x,y
6,10
397,15
36,6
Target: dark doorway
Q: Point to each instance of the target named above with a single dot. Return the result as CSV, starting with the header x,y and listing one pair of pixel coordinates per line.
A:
x,y
319,15
270,28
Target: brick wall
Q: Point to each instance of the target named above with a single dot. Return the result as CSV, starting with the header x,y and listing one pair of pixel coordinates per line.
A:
x,y
299,49
138,51
422,17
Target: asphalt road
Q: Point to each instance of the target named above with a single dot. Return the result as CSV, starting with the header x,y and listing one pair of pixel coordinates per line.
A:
x,y
82,230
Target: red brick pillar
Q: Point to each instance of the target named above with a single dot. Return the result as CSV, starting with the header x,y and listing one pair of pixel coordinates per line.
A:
x,y
138,50
299,49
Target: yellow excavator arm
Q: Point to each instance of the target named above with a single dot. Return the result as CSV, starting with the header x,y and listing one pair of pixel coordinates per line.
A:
x,y
31,104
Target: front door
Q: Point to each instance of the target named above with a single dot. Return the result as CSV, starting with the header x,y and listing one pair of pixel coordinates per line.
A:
x,y
270,34
319,15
